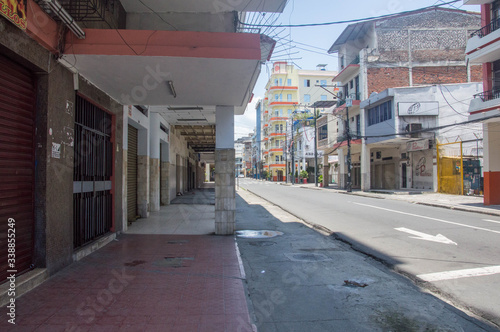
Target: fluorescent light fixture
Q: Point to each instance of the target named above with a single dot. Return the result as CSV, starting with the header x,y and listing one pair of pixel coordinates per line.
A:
x,y
55,7
194,108
172,89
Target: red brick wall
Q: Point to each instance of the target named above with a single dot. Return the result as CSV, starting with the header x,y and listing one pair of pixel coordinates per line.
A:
x,y
439,75
380,79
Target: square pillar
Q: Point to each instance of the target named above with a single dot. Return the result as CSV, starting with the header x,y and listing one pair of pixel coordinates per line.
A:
x,y
491,159
225,191
365,166
342,169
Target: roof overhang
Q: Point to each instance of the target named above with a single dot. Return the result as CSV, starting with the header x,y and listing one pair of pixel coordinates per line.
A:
x,y
200,6
137,66
351,33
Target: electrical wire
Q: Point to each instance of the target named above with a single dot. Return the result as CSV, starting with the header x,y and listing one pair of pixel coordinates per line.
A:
x,y
354,20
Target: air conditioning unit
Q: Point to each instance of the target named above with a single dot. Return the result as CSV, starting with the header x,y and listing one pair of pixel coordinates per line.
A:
x,y
412,128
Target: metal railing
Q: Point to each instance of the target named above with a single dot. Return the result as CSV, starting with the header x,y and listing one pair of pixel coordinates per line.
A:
x,y
488,95
487,29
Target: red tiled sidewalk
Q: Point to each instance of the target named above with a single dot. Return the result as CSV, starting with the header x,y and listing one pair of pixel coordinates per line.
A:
x,y
142,283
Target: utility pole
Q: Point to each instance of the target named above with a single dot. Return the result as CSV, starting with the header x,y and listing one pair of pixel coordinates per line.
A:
x,y
348,134
286,151
293,157
315,151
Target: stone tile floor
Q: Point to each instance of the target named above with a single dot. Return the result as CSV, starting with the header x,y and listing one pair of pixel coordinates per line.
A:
x,y
142,283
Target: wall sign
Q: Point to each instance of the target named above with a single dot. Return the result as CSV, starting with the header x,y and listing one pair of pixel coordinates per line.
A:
x,y
15,11
418,108
417,145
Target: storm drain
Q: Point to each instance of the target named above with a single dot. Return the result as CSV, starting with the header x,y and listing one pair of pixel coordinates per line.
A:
x,y
251,234
307,257
173,261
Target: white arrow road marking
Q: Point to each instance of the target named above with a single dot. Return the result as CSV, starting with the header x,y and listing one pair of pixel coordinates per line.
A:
x,y
497,222
430,218
427,237
467,273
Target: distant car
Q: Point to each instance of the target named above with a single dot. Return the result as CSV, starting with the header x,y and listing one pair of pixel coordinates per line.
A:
x,y
241,176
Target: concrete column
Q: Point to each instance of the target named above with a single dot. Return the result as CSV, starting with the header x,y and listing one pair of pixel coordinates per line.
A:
x,y
365,167
225,192
326,171
207,172
164,174
342,169
154,162
491,159
143,173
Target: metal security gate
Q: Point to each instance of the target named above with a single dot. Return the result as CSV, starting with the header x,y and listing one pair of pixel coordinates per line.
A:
x,y
17,91
132,174
92,199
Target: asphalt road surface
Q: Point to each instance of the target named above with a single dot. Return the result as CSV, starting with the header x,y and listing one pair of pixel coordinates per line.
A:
x,y
456,254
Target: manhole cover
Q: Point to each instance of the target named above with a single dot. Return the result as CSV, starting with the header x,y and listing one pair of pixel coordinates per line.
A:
x,y
261,243
249,234
309,257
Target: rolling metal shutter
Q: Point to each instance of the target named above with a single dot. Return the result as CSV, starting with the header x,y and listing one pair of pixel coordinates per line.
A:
x,y
17,100
132,174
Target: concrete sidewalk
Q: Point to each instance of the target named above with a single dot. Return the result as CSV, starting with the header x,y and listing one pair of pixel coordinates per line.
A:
x,y
305,281
455,202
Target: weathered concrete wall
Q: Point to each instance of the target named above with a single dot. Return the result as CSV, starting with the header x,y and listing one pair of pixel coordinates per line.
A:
x,y
225,192
143,186
154,184
54,120
164,183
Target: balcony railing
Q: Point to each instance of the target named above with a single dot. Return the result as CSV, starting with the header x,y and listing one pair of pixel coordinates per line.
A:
x,y
486,30
488,95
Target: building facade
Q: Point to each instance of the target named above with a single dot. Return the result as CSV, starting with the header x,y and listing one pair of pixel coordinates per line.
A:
x,y
411,140
483,48
98,124
289,90
412,49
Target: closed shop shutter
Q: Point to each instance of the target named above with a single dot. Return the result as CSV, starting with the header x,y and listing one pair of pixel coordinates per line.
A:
x,y
17,99
132,174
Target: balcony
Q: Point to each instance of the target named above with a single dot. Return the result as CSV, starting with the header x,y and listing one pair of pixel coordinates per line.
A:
x,y
349,71
485,101
278,118
280,102
484,44
286,88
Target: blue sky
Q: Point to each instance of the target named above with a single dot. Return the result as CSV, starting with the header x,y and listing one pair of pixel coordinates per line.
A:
x,y
318,11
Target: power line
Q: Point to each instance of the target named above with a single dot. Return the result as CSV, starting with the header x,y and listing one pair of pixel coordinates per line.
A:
x,y
351,21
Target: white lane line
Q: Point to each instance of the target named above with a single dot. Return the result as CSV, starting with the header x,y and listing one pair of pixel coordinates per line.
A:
x,y
496,222
430,218
457,274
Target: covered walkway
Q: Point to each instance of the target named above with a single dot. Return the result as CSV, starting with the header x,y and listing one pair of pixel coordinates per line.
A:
x,y
146,280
